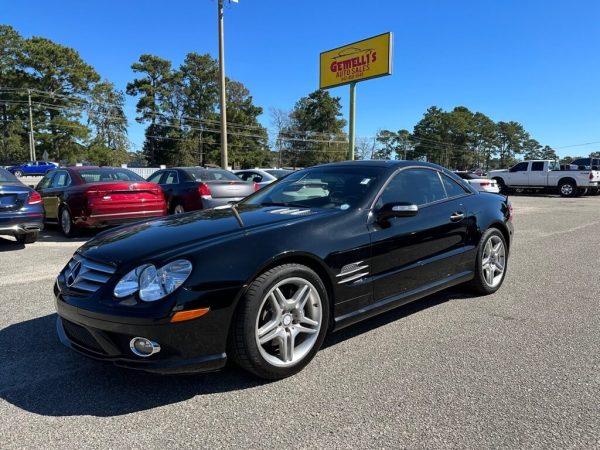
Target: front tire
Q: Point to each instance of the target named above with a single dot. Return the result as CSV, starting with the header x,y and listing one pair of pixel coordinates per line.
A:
x,y
18,173
491,262
281,322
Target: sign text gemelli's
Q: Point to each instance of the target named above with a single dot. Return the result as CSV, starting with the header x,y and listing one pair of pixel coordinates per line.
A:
x,y
353,68
356,62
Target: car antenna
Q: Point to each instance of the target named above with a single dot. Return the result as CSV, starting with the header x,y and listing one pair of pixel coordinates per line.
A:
x,y
237,215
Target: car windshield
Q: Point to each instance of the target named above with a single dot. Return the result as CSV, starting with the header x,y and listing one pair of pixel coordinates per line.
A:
x,y
6,176
278,173
321,187
211,175
108,175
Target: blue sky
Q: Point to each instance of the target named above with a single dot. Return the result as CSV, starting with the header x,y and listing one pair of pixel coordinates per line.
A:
x,y
535,62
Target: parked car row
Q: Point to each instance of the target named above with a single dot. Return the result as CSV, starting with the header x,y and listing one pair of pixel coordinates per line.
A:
x,y
98,197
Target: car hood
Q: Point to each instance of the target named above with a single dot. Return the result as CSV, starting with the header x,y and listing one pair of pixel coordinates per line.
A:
x,y
161,238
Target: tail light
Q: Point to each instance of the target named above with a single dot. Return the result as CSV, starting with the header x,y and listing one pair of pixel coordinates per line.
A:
x,y
510,211
591,175
485,183
204,190
256,186
96,194
34,198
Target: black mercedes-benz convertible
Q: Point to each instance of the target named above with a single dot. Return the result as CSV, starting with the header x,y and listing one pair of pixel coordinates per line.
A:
x,y
262,281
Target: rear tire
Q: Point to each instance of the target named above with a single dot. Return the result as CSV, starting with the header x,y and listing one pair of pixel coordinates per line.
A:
x,y
178,209
280,323
491,263
502,186
27,238
66,223
567,189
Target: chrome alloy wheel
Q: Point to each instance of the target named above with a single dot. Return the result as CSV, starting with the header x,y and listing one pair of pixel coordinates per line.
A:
x,y
493,261
288,322
178,210
566,189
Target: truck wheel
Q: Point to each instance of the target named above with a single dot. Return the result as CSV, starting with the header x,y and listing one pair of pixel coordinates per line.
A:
x,y
567,189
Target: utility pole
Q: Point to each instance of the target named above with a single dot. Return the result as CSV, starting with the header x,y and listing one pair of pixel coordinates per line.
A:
x,y
31,138
224,162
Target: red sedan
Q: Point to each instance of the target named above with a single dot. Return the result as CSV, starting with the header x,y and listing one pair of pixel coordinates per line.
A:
x,y
95,197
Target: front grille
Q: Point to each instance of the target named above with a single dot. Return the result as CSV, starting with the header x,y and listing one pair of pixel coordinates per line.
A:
x,y
81,336
85,275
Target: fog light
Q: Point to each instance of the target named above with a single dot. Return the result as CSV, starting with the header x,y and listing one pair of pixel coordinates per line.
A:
x,y
143,347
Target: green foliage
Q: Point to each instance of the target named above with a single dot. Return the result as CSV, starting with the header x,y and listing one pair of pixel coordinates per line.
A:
x,y
180,107
315,133
63,90
461,139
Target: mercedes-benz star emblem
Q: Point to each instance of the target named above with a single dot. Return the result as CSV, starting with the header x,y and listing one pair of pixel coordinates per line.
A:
x,y
72,276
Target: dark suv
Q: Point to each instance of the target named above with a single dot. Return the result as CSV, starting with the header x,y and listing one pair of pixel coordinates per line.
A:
x,y
585,163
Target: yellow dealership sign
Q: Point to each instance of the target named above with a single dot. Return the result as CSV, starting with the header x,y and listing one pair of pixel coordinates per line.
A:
x,y
358,61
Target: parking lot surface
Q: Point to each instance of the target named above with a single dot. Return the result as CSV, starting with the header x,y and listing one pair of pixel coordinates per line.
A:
x,y
517,369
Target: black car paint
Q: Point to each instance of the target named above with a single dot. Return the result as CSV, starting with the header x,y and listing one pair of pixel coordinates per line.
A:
x,y
424,253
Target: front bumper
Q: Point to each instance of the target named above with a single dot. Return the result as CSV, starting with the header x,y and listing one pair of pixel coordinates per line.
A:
x,y
192,346
93,344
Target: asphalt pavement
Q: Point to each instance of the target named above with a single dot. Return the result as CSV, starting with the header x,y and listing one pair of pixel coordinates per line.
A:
x,y
517,369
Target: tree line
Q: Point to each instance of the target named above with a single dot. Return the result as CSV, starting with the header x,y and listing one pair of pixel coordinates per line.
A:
x,y
78,116
459,139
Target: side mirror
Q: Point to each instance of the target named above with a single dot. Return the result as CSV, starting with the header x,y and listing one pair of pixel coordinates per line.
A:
x,y
390,210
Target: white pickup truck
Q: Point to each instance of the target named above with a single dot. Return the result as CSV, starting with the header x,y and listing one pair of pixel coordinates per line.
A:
x,y
546,174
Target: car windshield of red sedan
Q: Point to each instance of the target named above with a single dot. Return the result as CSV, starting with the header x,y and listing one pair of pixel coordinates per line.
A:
x,y
211,175
108,175
326,187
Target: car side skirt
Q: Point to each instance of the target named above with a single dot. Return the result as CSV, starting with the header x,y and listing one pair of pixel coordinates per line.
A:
x,y
396,301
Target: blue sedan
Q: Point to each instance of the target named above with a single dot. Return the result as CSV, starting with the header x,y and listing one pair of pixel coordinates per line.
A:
x,y
21,209
32,168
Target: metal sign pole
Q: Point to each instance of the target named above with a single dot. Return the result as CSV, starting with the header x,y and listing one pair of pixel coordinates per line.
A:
x,y
352,120
224,160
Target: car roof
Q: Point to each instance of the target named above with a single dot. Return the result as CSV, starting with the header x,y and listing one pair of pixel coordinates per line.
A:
x,y
392,164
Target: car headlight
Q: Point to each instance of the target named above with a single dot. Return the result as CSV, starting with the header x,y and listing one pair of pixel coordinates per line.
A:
x,y
152,283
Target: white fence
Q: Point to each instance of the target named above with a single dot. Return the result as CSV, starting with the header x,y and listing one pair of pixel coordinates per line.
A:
x,y
143,172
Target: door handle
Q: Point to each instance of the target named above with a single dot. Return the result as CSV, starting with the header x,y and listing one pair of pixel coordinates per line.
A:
x,y
457,216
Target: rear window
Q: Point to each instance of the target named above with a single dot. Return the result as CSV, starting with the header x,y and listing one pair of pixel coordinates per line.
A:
x,y
211,175
108,175
5,175
278,173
